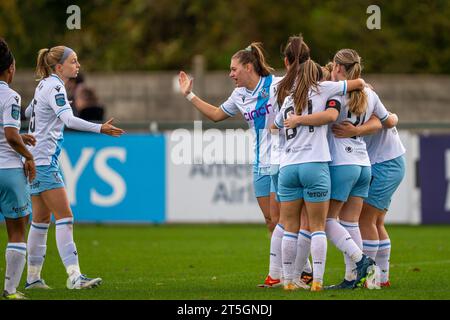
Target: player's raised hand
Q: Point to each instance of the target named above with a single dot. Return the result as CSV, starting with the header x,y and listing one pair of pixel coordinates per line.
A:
x,y
28,139
110,130
186,83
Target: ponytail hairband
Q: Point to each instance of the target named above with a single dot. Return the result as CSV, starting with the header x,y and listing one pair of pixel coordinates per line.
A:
x,y
67,52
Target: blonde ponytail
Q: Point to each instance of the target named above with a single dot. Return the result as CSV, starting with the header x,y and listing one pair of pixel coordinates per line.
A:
x,y
43,70
47,60
351,61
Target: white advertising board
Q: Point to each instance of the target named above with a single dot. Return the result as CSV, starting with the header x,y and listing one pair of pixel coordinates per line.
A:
x,y
200,190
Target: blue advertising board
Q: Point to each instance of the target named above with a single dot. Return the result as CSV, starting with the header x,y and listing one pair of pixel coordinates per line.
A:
x,y
434,177
115,179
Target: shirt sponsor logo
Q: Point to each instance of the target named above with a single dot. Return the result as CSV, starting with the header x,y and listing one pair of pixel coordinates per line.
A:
x,y
260,112
306,147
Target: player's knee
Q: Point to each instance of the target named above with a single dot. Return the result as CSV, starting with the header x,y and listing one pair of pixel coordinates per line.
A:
x,y
41,219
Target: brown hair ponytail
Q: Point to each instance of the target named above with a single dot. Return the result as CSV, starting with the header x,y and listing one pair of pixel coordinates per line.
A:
x,y
307,77
254,54
297,52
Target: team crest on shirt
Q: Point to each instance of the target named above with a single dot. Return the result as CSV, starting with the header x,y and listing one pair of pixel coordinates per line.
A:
x,y
60,100
17,99
57,88
264,93
15,112
349,149
243,99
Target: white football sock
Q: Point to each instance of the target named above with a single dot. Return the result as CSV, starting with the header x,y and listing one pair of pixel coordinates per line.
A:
x,y
66,247
319,254
353,230
15,255
383,257
308,267
342,240
289,251
370,248
276,267
303,251
37,247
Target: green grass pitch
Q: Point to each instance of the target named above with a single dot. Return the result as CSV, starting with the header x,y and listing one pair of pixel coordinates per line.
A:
x,y
226,262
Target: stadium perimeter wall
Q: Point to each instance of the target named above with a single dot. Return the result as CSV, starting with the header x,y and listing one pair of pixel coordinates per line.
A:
x,y
154,96
141,178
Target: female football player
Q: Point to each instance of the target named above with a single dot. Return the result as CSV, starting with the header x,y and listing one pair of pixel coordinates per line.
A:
x,y
15,204
255,98
304,173
50,111
386,154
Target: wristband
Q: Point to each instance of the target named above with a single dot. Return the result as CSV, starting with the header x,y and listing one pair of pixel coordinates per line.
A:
x,y
190,96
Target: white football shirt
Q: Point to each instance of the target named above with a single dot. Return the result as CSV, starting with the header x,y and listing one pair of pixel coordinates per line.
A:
x,y
384,145
308,143
353,151
9,117
49,105
258,109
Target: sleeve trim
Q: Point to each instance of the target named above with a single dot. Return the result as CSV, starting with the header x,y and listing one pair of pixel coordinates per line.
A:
x,y
15,125
277,124
384,118
226,111
61,111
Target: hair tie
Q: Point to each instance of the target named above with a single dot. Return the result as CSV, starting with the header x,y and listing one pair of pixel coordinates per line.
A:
x,y
249,48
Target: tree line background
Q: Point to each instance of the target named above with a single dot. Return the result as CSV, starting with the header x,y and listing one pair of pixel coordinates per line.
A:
x,y
166,34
